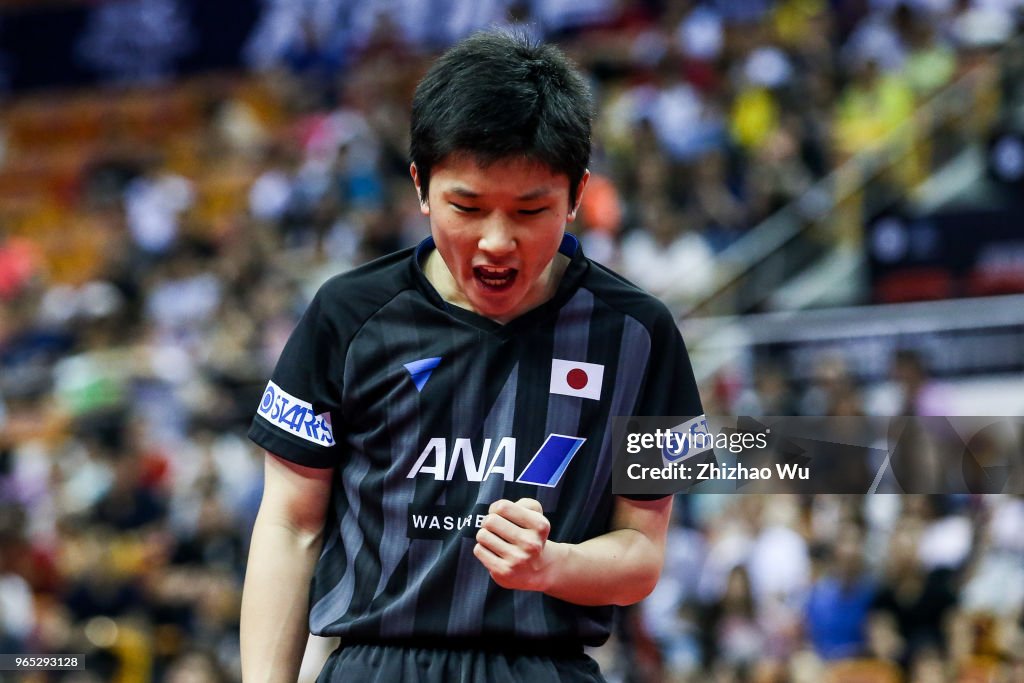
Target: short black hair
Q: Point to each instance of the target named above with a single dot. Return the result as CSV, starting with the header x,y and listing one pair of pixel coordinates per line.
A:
x,y
499,95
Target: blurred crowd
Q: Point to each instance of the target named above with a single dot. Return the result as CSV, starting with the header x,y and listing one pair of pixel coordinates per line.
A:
x,y
834,587
128,375
843,588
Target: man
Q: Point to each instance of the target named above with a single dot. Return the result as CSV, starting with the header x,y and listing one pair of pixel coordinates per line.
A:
x,y
438,427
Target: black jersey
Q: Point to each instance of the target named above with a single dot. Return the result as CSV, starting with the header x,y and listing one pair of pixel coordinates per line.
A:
x,y
428,413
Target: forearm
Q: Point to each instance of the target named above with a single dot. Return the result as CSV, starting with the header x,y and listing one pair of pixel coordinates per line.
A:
x,y
275,600
620,567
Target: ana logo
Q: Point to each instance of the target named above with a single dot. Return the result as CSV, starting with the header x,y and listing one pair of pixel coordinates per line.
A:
x,y
545,468
295,416
419,370
574,378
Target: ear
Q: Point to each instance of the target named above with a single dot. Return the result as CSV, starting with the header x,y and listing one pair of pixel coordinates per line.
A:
x,y
579,196
424,205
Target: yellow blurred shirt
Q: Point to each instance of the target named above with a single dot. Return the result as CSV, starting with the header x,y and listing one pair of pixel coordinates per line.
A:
x,y
867,116
753,118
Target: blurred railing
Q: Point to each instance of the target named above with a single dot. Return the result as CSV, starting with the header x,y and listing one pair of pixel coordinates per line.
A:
x,y
832,213
961,337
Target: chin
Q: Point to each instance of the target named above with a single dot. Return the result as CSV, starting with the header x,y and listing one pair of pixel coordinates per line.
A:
x,y
493,309
496,312
495,303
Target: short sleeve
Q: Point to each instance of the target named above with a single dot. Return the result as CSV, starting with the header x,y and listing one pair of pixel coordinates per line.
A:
x,y
300,408
669,388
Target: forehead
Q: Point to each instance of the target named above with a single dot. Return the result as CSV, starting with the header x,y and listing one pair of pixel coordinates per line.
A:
x,y
516,176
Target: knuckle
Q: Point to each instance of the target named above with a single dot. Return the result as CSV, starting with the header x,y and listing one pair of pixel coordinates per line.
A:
x,y
531,504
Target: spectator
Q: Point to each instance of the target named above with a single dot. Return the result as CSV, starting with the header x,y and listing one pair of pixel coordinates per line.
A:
x,y
837,608
732,633
153,205
910,609
919,394
871,108
666,257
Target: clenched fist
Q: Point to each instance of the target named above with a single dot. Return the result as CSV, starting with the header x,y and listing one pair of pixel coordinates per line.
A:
x,y
512,544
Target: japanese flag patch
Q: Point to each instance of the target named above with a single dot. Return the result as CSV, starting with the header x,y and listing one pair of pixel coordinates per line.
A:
x,y
574,378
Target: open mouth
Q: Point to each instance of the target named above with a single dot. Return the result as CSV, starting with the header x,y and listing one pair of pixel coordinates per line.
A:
x,y
495,278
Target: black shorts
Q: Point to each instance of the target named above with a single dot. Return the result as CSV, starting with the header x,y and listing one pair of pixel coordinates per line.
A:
x,y
378,663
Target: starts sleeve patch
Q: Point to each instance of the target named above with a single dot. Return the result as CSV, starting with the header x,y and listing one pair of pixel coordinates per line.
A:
x,y
295,416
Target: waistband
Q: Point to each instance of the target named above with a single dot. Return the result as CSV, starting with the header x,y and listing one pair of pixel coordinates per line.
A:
x,y
503,645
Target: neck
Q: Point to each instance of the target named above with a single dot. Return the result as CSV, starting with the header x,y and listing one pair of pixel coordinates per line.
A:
x,y
437,273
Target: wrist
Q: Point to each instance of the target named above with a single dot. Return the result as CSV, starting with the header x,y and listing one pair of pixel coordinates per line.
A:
x,y
554,560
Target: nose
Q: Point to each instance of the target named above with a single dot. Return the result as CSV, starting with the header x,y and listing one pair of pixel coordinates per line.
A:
x,y
497,237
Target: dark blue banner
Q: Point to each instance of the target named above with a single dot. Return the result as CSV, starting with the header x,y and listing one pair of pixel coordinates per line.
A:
x,y
120,41
956,252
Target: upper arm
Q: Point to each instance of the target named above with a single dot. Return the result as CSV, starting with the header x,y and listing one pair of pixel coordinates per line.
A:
x,y
648,517
295,495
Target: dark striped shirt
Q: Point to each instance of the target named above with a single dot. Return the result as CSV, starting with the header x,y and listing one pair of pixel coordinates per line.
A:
x,y
428,413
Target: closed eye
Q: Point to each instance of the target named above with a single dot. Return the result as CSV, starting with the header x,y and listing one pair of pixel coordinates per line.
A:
x,y
464,209
532,212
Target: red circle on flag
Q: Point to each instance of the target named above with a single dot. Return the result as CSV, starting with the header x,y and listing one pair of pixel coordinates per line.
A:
x,y
577,379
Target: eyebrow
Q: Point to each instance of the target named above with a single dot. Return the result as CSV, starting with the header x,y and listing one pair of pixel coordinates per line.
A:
x,y
538,193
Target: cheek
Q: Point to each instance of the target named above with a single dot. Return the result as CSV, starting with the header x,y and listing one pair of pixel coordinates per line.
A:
x,y
455,246
543,244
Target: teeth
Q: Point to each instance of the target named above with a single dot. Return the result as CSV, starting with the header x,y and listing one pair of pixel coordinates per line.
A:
x,y
493,275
